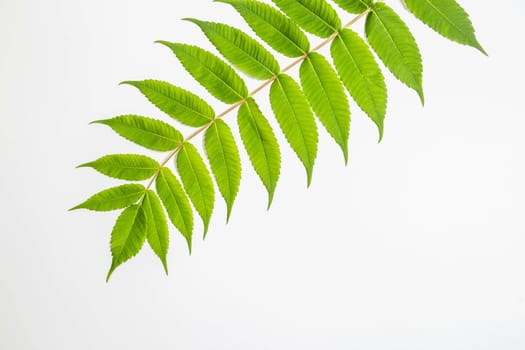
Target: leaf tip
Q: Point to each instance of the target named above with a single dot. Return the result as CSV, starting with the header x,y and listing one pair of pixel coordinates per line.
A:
x,y
421,96
381,131
100,121
110,272
192,20
188,241
85,165
76,207
128,82
481,49
270,199
309,173
228,212
162,42
165,264
205,233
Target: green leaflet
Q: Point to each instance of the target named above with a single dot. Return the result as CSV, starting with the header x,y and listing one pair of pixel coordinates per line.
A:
x,y
272,26
210,71
396,47
176,203
133,167
128,236
180,104
240,49
447,18
296,120
315,16
113,198
327,97
260,144
156,227
361,75
225,162
147,132
354,6
197,182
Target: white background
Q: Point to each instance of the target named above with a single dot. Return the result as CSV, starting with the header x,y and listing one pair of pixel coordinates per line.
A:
x,y
417,244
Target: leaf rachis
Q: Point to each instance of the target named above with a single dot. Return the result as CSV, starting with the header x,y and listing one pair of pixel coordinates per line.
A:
x,y
255,91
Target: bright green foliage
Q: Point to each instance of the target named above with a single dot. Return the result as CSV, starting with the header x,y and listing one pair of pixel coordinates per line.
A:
x,y
147,132
396,47
113,198
210,71
296,120
326,95
447,18
156,227
354,6
272,26
133,167
128,236
176,203
197,182
315,16
225,161
261,144
180,104
361,75
240,49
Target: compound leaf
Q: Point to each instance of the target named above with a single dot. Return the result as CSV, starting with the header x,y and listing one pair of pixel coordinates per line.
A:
x,y
272,26
326,95
447,18
197,182
128,236
296,120
147,132
261,145
315,16
210,71
240,49
176,203
133,167
113,198
396,47
180,104
361,75
156,227
224,159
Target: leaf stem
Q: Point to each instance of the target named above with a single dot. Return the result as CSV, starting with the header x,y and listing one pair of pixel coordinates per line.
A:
x,y
255,91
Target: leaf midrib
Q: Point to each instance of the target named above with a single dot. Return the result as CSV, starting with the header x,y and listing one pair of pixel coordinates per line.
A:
x,y
213,73
225,161
295,119
128,235
196,178
274,27
187,231
267,161
151,133
186,107
247,54
465,35
368,82
327,97
391,39
319,17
